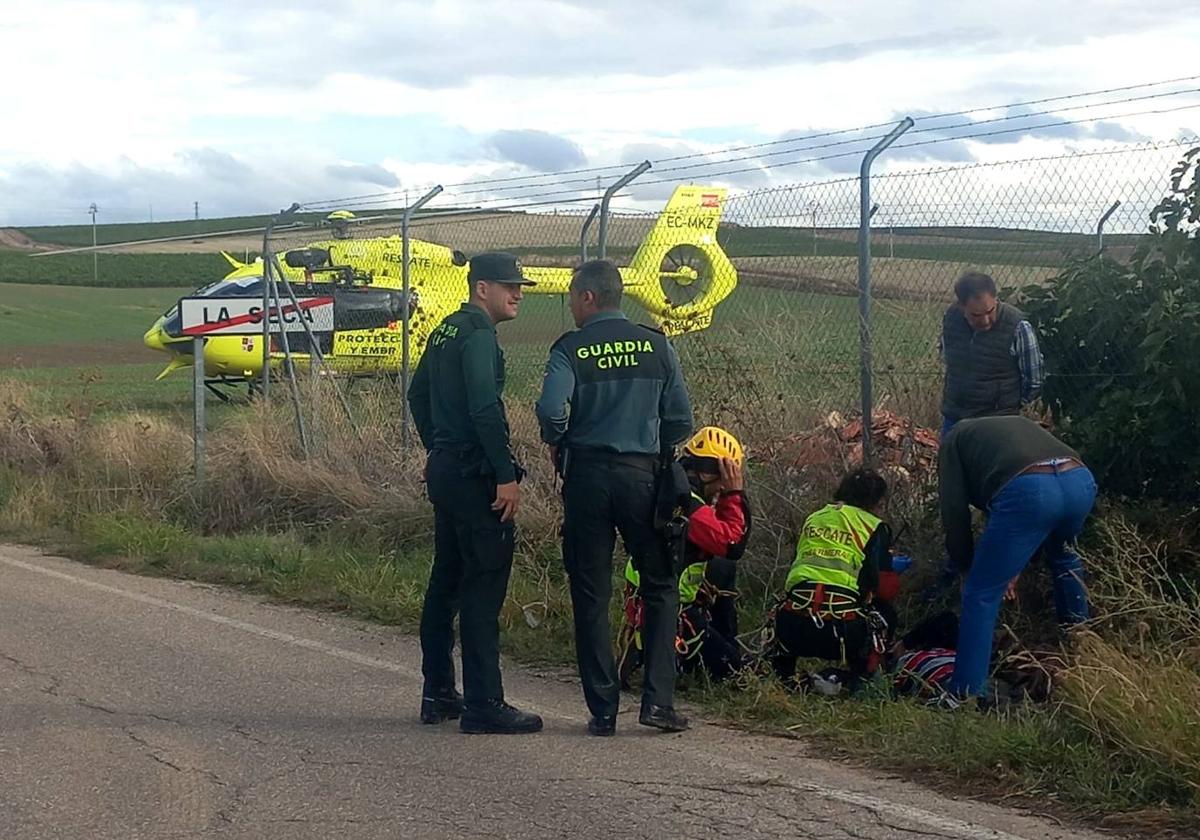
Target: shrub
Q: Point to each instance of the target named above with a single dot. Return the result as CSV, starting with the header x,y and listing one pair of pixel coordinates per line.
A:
x,y
1120,341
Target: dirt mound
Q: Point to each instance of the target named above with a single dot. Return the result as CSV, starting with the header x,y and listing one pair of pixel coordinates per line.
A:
x,y
14,239
837,443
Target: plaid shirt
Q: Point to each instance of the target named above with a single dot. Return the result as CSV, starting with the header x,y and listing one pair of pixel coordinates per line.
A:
x,y
1029,360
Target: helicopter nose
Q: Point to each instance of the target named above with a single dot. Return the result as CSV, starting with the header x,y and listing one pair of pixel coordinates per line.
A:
x,y
154,337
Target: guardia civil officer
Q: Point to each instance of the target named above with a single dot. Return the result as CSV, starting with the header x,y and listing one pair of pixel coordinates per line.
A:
x,y
613,406
472,479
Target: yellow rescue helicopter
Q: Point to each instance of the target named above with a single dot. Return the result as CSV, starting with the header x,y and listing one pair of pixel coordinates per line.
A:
x,y
678,274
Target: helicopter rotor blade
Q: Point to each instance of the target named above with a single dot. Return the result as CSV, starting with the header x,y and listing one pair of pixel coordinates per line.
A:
x,y
297,226
190,236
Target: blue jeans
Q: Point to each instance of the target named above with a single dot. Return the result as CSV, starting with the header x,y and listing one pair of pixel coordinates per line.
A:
x,y
1032,510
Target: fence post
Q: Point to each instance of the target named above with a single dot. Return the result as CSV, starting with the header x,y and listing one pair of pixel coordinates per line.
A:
x,y
864,280
266,296
608,194
1100,226
316,358
405,435
587,224
198,408
289,367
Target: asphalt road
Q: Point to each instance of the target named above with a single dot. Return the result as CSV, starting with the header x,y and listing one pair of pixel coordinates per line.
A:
x,y
142,708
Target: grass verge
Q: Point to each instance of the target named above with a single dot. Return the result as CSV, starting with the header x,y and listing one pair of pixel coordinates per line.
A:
x,y
348,529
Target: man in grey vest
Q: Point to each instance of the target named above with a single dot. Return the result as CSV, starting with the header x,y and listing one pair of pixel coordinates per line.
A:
x,y
993,364
613,407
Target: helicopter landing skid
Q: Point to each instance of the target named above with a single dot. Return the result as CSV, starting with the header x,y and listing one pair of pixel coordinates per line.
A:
x,y
221,387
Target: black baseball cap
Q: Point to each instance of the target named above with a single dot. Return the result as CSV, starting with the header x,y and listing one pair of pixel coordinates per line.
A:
x,y
497,267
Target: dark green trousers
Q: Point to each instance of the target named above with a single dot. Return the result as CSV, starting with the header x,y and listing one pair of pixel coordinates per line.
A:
x,y
601,497
473,555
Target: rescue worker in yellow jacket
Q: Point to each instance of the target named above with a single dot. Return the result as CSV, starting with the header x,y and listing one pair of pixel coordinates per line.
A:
x,y
714,534
830,610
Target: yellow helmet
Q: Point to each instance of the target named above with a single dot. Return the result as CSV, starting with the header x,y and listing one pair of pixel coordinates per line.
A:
x,y
714,442
340,221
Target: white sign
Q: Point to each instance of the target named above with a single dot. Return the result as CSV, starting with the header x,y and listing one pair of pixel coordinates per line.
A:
x,y
203,316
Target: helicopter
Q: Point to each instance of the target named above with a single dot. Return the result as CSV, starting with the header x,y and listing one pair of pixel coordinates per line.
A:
x,y
679,274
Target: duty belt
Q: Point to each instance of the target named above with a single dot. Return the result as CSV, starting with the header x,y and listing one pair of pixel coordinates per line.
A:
x,y
629,459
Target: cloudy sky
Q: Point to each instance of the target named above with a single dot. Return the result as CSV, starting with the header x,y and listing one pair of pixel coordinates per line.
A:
x,y
248,106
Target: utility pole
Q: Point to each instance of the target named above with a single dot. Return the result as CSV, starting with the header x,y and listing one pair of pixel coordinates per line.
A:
x,y
196,210
95,263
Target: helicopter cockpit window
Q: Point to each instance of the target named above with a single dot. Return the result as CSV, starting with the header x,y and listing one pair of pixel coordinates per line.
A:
x,y
238,287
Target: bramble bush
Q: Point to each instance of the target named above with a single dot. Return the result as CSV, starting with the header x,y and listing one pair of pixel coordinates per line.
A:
x,y
1122,342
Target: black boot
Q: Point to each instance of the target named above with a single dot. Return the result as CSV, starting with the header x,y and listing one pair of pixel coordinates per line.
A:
x,y
498,718
663,717
603,726
437,706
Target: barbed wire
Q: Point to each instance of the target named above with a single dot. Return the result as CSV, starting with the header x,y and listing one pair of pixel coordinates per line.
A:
x,y
836,156
793,140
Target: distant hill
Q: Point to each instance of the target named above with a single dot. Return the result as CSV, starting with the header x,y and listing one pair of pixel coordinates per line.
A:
x,y
80,236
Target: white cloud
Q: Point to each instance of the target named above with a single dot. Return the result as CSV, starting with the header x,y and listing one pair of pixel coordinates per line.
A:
x,y
298,93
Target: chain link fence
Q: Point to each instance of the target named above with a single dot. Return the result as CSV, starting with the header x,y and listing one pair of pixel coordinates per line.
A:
x,y
778,277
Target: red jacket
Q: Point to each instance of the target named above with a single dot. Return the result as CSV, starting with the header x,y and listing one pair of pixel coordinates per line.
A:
x,y
717,529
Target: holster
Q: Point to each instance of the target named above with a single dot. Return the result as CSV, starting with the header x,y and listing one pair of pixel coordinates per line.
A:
x,y
675,540
562,461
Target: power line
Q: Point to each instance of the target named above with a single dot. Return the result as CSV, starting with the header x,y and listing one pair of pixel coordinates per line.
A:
x,y
793,140
932,141
968,124
548,197
848,142
1027,129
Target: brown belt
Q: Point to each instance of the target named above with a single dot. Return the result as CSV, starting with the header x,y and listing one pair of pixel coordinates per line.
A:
x,y
1051,469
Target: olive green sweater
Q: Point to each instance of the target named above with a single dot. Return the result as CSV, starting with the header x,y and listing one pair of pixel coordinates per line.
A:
x,y
976,460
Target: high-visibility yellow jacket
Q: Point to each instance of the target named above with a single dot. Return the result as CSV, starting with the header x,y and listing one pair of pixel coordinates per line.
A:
x,y
832,546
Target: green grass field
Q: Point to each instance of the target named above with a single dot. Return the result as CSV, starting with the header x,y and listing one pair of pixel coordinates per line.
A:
x,y
87,341
980,246
133,271
45,314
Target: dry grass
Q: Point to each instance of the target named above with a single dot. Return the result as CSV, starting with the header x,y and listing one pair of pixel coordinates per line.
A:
x,y
891,277
30,440
349,526
1147,707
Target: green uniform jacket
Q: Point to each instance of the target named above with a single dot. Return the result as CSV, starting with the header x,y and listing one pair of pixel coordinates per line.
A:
x,y
614,386
455,395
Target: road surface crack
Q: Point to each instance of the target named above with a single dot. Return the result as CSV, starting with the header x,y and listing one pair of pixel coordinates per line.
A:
x,y
920,832
55,682
87,704
159,754
238,729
